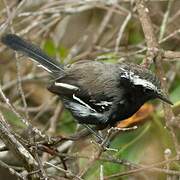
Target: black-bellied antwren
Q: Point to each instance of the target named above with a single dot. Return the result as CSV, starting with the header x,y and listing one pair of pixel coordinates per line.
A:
x,y
96,93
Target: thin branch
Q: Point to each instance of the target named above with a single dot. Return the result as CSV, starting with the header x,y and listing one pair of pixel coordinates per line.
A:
x,y
154,53
103,25
15,146
69,173
152,45
101,173
165,20
171,55
11,170
12,108
121,31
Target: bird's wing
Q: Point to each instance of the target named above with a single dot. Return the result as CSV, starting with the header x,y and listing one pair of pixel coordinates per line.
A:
x,y
88,83
84,113
81,96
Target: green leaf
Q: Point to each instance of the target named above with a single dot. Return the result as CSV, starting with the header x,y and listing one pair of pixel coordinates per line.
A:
x,y
13,119
49,47
175,94
135,38
67,123
63,52
132,142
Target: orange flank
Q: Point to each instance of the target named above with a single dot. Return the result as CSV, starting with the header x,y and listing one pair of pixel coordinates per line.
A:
x,y
138,117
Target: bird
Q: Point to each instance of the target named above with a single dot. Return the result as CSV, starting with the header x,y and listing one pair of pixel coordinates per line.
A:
x,y
96,93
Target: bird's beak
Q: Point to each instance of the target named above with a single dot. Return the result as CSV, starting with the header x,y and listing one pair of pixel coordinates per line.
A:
x,y
164,97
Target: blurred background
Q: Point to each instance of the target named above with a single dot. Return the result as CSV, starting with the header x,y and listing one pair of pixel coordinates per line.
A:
x,y
102,30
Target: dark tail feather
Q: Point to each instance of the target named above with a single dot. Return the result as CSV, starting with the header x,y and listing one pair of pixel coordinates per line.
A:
x,y
16,43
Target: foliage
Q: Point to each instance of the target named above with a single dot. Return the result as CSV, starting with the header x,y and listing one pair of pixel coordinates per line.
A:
x,y
71,31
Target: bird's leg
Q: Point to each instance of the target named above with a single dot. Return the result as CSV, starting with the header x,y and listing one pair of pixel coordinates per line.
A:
x,y
92,131
98,136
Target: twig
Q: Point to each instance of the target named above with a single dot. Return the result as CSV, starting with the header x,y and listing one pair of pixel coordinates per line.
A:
x,y
26,78
20,89
55,117
45,107
167,154
176,32
165,20
177,173
154,53
69,173
76,48
101,174
121,30
103,25
11,16
140,168
40,164
11,170
15,146
171,55
12,108
152,46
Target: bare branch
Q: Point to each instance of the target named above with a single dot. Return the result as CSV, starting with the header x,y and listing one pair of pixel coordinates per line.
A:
x,y
15,146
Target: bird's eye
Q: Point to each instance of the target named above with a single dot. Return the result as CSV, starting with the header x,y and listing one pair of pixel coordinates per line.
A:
x,y
159,91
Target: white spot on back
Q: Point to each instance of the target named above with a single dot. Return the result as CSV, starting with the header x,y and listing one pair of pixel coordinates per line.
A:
x,y
104,103
67,86
82,102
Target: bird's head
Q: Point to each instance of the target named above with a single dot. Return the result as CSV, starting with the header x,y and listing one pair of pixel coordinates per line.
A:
x,y
145,80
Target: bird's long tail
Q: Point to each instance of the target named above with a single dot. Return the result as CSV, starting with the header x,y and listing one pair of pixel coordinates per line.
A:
x,y
18,44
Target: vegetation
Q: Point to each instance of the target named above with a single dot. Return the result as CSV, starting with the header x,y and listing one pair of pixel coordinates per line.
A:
x,y
34,126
